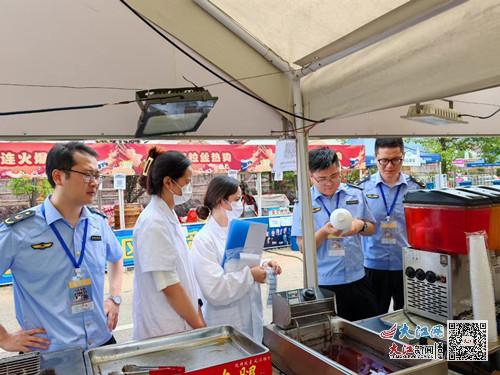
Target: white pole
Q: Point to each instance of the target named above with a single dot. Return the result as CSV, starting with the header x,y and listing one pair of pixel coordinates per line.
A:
x,y
121,206
308,241
99,196
259,193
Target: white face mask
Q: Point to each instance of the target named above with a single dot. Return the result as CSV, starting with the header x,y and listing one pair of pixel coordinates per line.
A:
x,y
236,210
187,192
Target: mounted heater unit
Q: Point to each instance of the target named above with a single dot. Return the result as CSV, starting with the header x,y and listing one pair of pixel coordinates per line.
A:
x,y
430,114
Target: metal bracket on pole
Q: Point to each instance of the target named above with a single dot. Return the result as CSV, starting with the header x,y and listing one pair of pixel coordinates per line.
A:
x,y
308,239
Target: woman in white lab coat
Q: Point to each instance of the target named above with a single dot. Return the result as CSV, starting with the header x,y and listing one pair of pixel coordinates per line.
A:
x,y
166,294
231,298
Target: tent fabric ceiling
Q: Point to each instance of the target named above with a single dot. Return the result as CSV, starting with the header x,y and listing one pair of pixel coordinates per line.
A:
x,y
101,43
388,122
94,43
453,53
294,29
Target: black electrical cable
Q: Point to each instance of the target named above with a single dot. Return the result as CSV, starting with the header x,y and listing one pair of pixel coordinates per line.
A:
x,y
72,108
74,87
148,23
470,102
90,106
57,109
284,255
71,87
480,117
409,319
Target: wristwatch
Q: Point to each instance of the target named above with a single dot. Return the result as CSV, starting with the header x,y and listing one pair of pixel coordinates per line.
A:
x,y
116,299
365,227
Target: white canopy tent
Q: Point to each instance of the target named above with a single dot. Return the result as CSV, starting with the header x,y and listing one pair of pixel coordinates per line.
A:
x,y
61,53
92,43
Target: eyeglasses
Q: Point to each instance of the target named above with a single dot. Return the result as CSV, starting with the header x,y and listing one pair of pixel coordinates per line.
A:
x,y
395,161
87,177
325,180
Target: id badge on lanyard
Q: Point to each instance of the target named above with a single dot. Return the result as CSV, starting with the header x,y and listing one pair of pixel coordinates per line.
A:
x,y
389,231
79,286
80,293
335,245
389,226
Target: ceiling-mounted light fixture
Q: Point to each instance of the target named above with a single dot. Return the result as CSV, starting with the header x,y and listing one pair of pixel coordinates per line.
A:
x,y
430,114
172,111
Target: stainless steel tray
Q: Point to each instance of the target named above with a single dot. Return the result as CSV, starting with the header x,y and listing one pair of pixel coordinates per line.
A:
x,y
194,350
300,351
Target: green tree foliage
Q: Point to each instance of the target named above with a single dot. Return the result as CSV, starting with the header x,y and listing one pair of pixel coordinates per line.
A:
x,y
30,188
451,148
133,190
287,186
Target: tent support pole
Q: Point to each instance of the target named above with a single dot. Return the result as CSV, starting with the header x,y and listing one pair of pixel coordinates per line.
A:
x,y
308,239
259,193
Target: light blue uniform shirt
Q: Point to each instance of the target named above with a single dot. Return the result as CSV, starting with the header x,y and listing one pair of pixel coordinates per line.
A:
x,y
378,255
41,276
334,270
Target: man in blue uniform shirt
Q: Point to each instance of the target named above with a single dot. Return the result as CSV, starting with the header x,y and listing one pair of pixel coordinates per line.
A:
x,y
57,253
384,192
340,255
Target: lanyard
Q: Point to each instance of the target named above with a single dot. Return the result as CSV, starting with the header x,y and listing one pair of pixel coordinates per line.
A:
x,y
324,206
389,210
76,263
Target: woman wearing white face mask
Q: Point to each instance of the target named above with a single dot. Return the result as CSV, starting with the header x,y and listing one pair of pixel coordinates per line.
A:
x,y
232,298
166,294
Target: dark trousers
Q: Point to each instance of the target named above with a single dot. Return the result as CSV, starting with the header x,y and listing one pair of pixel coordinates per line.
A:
x,y
355,300
111,341
386,285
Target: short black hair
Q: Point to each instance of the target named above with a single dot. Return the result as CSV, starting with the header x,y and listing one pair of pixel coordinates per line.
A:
x,y
171,164
322,158
220,188
61,157
389,143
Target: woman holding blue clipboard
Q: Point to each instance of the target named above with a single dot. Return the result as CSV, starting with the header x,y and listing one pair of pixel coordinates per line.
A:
x,y
232,298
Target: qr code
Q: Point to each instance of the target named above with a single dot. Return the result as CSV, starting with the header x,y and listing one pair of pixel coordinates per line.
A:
x,y
467,340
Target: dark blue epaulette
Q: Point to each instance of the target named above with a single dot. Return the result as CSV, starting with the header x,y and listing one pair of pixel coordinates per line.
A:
x,y
20,216
97,212
418,182
367,178
355,186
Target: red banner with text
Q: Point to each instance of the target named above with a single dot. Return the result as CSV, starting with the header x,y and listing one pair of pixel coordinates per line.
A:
x,y
28,158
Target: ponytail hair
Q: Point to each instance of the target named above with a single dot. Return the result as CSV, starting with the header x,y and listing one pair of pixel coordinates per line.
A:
x,y
220,188
203,212
159,165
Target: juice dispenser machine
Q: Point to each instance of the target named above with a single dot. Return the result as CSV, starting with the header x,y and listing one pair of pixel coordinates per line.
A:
x,y
436,265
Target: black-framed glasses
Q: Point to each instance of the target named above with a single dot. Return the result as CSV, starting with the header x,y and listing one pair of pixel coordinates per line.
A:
x,y
324,180
87,176
395,161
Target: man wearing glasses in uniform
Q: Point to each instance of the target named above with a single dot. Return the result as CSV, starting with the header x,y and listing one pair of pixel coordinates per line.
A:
x,y
57,253
340,255
384,192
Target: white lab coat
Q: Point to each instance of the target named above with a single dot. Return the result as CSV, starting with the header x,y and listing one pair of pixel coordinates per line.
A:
x,y
159,245
232,298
